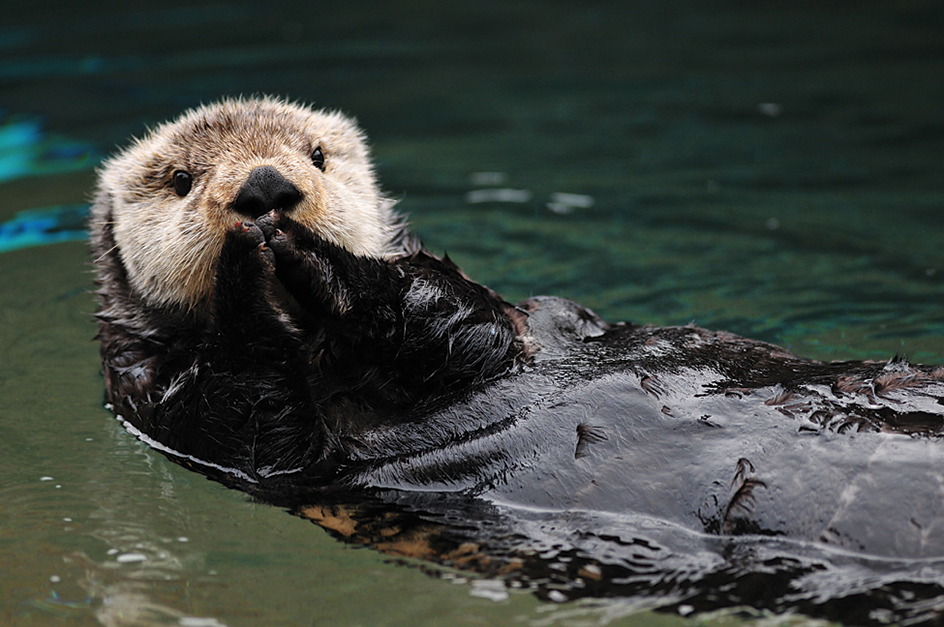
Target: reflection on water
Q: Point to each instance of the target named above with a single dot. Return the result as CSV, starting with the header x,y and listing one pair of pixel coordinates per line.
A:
x,y
25,150
769,169
38,227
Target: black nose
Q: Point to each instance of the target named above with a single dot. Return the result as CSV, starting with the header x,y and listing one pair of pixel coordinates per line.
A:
x,y
265,190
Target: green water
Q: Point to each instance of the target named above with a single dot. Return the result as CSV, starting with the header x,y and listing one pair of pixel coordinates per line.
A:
x,y
769,168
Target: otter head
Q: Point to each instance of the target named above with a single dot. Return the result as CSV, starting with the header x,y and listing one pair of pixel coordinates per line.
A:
x,y
169,199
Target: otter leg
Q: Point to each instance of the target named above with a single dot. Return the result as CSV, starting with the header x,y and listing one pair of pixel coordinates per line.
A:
x,y
415,324
254,391
323,276
245,310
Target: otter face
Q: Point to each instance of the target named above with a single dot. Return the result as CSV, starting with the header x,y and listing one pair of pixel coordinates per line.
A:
x,y
170,197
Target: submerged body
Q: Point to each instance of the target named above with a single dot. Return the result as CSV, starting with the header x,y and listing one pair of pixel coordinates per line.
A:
x,y
265,313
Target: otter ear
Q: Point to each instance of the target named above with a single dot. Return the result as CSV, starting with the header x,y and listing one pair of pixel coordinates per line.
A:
x,y
183,181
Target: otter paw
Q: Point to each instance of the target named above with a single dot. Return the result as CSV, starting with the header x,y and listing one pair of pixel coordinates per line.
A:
x,y
269,223
279,232
284,245
248,237
247,233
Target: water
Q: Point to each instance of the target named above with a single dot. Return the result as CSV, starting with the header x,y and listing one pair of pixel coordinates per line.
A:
x,y
768,168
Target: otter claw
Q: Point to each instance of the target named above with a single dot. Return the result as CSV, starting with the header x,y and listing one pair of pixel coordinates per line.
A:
x,y
266,253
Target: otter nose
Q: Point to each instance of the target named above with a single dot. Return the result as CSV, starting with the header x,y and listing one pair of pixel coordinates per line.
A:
x,y
265,190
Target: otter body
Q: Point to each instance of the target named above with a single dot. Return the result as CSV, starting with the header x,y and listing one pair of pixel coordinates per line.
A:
x,y
266,314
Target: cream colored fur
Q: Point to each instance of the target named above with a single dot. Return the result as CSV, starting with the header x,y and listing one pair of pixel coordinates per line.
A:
x,y
170,245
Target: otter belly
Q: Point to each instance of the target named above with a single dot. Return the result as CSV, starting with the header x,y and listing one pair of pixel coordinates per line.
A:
x,y
750,472
595,427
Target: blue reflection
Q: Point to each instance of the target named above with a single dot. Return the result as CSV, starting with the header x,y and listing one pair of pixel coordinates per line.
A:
x,y
49,225
25,150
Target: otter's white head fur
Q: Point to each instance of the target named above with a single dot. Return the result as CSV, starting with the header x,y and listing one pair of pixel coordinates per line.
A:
x,y
169,236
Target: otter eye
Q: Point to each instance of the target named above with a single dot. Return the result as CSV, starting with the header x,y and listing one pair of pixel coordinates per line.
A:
x,y
317,158
183,181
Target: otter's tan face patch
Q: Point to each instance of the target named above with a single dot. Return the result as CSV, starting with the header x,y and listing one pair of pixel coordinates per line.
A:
x,y
169,237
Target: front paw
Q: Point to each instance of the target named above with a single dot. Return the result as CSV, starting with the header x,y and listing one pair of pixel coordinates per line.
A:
x,y
269,223
280,235
249,238
247,309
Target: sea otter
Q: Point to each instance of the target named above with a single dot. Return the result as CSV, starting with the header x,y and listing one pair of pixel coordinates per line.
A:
x,y
266,315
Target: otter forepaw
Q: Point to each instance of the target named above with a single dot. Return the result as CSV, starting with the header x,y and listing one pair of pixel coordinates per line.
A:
x,y
284,245
279,235
249,238
269,223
